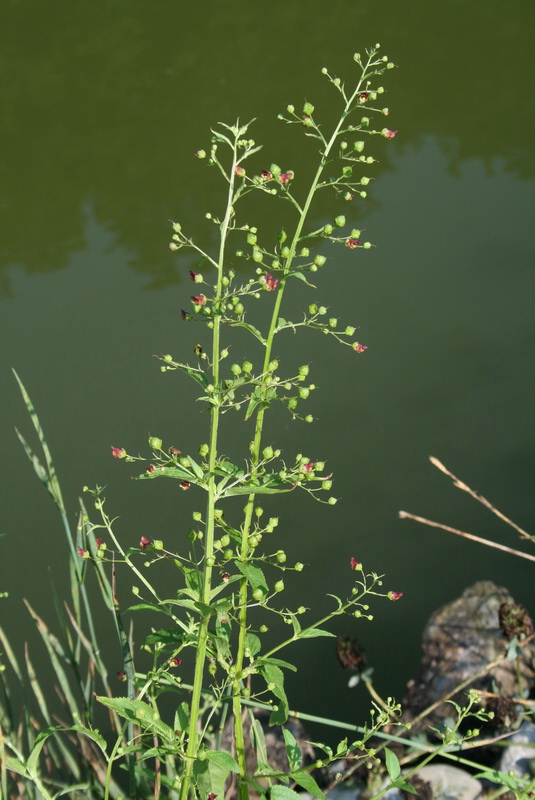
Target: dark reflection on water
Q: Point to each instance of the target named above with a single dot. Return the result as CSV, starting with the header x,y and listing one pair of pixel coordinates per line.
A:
x,y
102,112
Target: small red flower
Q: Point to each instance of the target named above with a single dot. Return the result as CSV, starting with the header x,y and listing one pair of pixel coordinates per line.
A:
x,y
388,134
308,467
395,595
285,177
239,171
121,676
211,796
174,451
363,97
198,300
99,542
266,175
117,452
144,542
151,468
185,485
354,563
270,282
352,243
359,348
82,553
175,662
196,277
225,577
184,314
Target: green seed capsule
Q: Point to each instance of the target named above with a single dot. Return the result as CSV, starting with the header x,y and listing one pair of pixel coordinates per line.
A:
x,y
279,586
340,221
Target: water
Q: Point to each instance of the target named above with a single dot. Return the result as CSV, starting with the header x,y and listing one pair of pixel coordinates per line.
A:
x,y
103,108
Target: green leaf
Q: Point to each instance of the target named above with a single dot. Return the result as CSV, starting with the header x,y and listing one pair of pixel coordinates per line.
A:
x,y
139,713
199,474
275,677
259,743
147,607
496,776
406,787
263,488
223,760
293,751
307,782
181,722
283,793
177,473
311,633
281,236
392,764
296,624
300,275
278,662
254,575
14,765
254,402
252,644
248,327
168,636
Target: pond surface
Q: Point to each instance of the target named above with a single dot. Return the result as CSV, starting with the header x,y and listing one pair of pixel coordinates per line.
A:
x,y
103,106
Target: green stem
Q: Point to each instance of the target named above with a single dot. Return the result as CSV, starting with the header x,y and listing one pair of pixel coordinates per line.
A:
x,y
193,743
257,442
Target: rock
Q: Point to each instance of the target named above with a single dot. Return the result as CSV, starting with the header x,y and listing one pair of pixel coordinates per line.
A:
x,y
459,640
519,756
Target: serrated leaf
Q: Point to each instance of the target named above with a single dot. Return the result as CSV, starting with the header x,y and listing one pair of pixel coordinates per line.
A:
x,y
307,782
254,575
177,473
278,662
392,764
210,776
283,793
293,751
296,624
223,760
274,677
311,633
139,713
300,275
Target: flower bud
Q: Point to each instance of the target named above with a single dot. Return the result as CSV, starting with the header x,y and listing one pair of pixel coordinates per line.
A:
x,y
333,322
309,418
157,544
332,501
322,310
328,229
365,121
275,170
267,452
326,485
340,221
358,146
155,443
257,255
367,245
273,365
320,260
239,309
281,556
279,586
235,369
298,566
290,109
204,450
303,392
258,594
364,181
305,252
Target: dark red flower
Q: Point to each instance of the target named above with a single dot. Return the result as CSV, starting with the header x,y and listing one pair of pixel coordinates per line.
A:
x,y
194,276
185,485
211,796
117,452
308,467
270,282
184,314
121,676
151,468
363,97
99,542
354,563
82,553
174,451
175,662
359,348
388,134
239,171
352,243
225,577
285,177
266,175
198,299
395,595
144,542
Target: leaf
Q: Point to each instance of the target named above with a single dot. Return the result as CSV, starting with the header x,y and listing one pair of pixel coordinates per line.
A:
x,y
223,760
259,743
293,751
405,786
177,473
307,782
278,662
311,633
167,636
299,274
254,575
254,402
283,793
248,327
139,713
296,624
14,765
281,236
181,722
252,644
392,764
274,677
496,776
147,607
199,474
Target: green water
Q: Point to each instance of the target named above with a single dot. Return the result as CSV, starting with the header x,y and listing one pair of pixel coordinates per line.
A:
x,y
103,105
